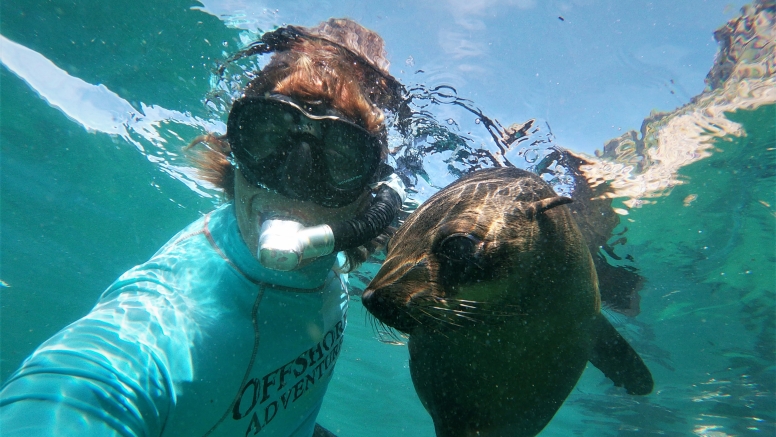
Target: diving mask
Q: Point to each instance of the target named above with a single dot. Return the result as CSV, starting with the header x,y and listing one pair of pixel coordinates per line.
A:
x,y
304,152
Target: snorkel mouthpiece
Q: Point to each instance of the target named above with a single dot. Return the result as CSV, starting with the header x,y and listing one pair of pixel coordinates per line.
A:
x,y
283,244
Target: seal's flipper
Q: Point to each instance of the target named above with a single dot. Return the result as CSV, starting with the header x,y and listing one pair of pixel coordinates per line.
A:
x,y
619,362
322,432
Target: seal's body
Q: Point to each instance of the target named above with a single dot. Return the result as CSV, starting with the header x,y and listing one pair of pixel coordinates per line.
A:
x,y
497,290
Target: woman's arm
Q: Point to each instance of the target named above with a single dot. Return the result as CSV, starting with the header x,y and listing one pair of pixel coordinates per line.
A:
x,y
108,374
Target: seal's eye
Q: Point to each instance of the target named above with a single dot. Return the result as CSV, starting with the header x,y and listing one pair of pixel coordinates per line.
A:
x,y
459,260
457,248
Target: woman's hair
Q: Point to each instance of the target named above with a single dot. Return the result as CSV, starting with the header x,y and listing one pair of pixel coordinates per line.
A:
x,y
336,66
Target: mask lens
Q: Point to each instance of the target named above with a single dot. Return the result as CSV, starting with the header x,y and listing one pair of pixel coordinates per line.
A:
x,y
349,155
260,130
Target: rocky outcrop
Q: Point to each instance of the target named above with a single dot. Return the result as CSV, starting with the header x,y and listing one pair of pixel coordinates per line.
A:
x,y
747,46
638,166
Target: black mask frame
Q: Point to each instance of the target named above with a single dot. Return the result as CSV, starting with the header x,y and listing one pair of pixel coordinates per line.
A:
x,y
302,151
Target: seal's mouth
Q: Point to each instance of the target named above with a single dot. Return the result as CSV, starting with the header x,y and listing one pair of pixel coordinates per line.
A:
x,y
387,306
393,306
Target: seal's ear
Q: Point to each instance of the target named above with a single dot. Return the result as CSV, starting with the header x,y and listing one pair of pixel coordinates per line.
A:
x,y
538,207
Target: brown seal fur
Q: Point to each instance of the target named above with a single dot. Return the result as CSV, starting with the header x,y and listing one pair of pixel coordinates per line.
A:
x,y
496,288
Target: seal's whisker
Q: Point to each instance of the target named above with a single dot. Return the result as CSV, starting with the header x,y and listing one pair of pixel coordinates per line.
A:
x,y
479,266
483,310
453,310
459,313
434,317
441,321
476,305
389,335
390,331
375,323
386,334
369,318
473,302
493,311
379,328
398,336
437,318
443,300
413,317
463,316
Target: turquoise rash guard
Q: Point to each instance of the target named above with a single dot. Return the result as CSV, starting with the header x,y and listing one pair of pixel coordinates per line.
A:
x,y
198,341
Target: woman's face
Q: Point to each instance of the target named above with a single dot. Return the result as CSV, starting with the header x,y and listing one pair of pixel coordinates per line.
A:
x,y
254,204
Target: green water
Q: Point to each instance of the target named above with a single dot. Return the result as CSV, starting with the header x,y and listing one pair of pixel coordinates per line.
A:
x,y
78,208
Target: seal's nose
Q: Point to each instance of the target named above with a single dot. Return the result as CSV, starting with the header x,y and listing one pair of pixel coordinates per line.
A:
x,y
369,301
374,302
386,305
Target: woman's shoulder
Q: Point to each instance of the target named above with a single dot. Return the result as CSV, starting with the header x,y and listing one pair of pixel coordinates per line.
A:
x,y
189,260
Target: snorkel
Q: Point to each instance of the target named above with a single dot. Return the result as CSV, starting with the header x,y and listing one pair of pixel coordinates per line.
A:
x,y
284,244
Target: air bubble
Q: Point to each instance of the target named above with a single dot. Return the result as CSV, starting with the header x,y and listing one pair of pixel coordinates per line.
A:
x,y
531,155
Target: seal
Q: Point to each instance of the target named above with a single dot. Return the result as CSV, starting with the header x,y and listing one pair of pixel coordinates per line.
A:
x,y
496,288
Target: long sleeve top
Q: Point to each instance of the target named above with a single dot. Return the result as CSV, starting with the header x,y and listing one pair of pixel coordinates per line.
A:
x,y
201,340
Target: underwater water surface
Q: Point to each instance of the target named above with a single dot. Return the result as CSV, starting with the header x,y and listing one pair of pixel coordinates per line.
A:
x,y
97,100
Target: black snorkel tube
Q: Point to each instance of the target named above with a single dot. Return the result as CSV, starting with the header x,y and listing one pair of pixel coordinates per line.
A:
x,y
360,230
284,244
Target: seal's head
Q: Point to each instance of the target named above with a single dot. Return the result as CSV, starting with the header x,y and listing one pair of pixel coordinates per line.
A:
x,y
493,282
486,248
